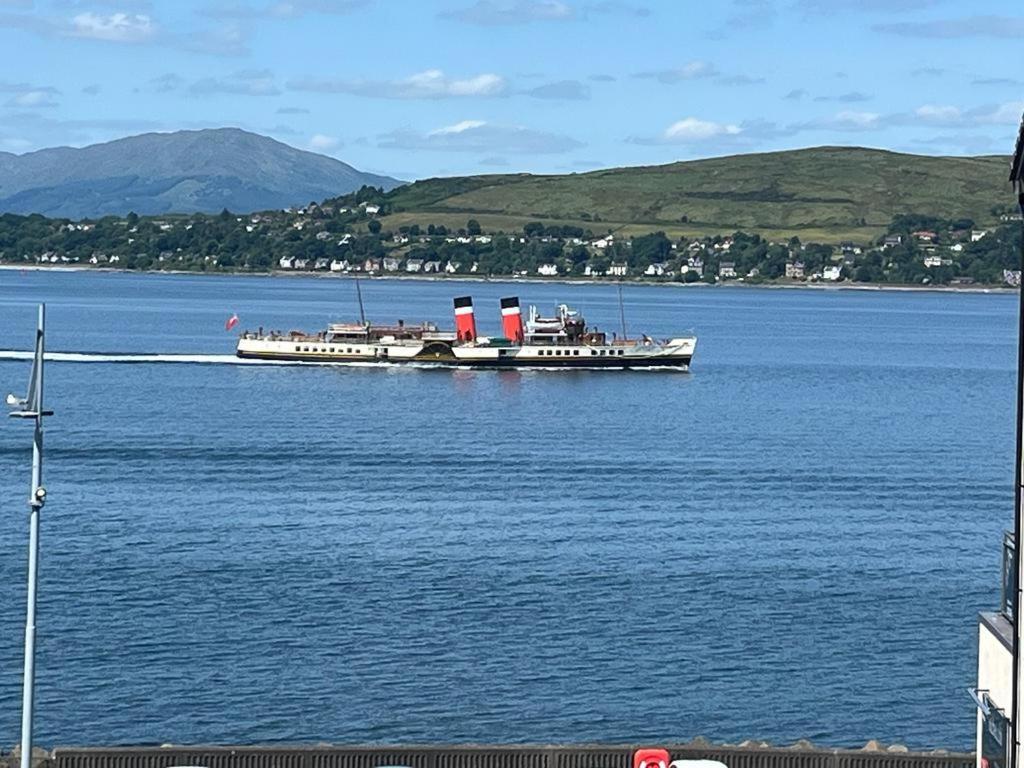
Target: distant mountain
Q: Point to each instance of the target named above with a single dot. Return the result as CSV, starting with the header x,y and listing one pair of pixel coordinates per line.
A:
x,y
822,193
180,172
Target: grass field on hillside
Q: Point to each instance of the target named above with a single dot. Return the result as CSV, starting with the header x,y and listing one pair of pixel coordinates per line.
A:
x,y
827,194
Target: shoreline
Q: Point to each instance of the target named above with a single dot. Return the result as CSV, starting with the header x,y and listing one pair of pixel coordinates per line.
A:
x,y
843,286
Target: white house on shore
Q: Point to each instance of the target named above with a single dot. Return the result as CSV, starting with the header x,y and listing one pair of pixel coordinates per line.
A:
x,y
547,270
618,269
832,272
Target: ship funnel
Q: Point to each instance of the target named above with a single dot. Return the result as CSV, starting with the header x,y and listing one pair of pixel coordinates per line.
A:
x,y
512,319
465,322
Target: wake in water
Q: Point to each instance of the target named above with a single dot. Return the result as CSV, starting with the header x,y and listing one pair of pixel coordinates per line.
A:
x,y
104,357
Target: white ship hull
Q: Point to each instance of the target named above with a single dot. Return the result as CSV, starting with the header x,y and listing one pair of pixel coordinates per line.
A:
x,y
674,353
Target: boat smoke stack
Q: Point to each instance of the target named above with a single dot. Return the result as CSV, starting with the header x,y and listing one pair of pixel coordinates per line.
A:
x,y
512,319
465,321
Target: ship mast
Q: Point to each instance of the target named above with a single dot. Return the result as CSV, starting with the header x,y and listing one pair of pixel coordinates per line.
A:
x,y
1017,755
359,295
622,313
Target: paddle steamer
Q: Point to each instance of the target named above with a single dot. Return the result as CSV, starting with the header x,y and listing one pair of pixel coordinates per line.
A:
x,y
562,340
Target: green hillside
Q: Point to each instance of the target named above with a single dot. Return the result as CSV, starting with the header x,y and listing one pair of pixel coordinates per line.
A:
x,y
828,192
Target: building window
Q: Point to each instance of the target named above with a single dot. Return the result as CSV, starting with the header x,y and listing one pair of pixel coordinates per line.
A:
x,y
994,739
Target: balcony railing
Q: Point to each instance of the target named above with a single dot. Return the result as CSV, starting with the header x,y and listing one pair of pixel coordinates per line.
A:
x,y
1008,604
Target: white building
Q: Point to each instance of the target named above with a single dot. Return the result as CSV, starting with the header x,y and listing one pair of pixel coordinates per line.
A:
x,y
832,272
391,264
656,270
372,210
795,270
589,271
727,269
977,234
547,270
932,261
286,262
340,265
618,269
994,692
452,267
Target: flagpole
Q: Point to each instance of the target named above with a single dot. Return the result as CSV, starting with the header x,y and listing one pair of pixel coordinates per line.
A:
x,y
1016,754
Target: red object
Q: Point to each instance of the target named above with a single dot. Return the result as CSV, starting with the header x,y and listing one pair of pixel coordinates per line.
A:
x,y
231,323
651,758
512,319
465,322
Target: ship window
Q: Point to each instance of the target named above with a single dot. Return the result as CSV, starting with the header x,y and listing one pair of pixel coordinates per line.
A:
x,y
593,351
305,349
332,350
575,351
298,348
350,350
622,352
602,353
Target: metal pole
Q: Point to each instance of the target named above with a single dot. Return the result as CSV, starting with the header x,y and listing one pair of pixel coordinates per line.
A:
x,y
35,502
622,313
359,295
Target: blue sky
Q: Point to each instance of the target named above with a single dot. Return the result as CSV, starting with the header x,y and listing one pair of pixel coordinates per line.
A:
x,y
417,89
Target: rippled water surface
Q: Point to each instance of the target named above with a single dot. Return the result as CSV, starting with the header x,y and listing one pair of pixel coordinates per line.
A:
x,y
791,541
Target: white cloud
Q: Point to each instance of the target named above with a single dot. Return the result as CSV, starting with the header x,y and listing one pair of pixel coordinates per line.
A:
x,y
480,136
489,13
692,70
692,129
991,26
117,27
32,99
429,84
287,9
1007,113
938,114
849,118
245,83
322,143
465,125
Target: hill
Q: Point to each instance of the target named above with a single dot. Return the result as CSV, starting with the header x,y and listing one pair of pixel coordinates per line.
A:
x,y
180,172
827,193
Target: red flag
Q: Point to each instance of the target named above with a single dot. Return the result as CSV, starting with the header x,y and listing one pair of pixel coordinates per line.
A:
x,y
231,323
